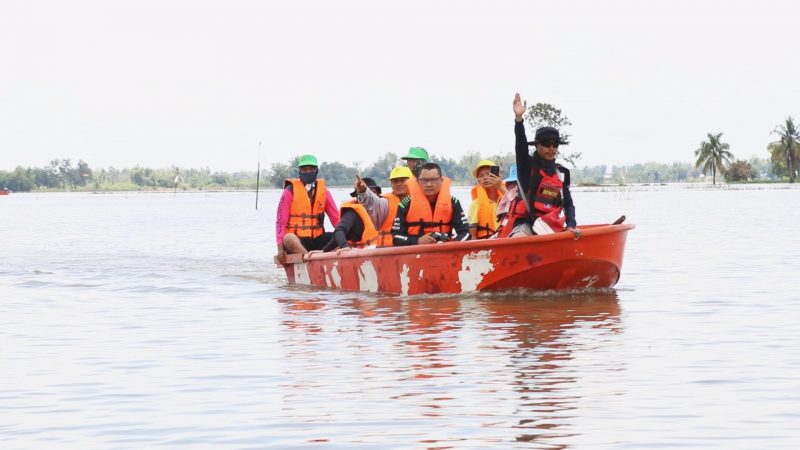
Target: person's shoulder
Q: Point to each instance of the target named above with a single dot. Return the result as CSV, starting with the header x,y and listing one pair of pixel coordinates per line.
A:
x,y
562,168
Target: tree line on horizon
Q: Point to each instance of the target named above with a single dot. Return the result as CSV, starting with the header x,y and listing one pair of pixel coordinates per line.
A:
x,y
713,156
63,175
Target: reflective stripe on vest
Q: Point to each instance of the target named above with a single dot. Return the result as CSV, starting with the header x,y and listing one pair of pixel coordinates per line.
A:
x,y
306,217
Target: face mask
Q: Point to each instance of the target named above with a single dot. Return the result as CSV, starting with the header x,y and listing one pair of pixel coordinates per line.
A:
x,y
309,177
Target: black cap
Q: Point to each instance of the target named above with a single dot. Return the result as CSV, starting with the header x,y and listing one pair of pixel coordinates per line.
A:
x,y
547,134
370,184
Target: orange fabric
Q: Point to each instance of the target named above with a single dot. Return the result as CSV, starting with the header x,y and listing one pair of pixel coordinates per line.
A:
x,y
385,231
422,220
487,217
306,216
412,186
370,234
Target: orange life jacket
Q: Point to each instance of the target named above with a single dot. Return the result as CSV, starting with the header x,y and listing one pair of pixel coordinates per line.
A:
x,y
487,213
370,234
422,220
547,200
385,231
306,216
412,186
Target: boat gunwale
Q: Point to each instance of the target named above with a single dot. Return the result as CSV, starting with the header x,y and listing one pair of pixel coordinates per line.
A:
x,y
590,230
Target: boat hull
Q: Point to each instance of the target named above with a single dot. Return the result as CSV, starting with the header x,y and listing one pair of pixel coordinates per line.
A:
x,y
556,261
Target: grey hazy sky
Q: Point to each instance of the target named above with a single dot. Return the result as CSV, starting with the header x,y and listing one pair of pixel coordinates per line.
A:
x,y
200,83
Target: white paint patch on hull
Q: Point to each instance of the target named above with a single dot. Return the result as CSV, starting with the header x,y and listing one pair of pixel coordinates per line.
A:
x,y
301,274
367,277
334,278
474,266
404,280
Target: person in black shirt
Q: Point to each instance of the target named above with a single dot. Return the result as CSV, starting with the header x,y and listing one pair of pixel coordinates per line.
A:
x,y
531,169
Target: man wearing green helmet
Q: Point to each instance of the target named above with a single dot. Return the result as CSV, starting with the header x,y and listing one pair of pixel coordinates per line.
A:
x,y
416,157
304,203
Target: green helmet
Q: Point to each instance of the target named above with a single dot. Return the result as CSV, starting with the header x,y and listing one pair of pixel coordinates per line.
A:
x,y
307,160
416,153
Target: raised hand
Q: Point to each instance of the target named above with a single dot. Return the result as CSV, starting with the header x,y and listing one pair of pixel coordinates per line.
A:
x,y
519,107
359,185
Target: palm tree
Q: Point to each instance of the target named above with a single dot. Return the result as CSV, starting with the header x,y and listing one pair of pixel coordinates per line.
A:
x,y
789,146
713,155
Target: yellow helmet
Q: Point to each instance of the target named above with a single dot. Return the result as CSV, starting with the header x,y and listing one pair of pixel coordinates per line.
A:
x,y
482,163
400,172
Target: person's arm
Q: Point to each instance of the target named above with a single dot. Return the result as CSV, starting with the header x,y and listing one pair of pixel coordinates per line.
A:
x,y
523,157
331,209
400,227
341,231
569,206
282,219
377,207
459,222
521,145
282,222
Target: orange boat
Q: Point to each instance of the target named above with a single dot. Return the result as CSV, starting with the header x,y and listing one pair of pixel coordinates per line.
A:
x,y
554,261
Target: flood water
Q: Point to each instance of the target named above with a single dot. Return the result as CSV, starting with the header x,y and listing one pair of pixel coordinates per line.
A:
x,y
154,320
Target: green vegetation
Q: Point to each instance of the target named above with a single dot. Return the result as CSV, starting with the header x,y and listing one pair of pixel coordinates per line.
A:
x,y
64,176
786,151
713,155
547,115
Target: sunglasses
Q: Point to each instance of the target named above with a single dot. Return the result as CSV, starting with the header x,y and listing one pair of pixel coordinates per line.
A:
x,y
552,144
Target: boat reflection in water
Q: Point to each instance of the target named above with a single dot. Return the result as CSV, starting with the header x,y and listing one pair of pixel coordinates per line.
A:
x,y
455,371
547,339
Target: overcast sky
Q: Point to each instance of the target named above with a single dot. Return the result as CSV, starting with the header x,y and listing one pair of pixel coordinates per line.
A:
x,y
200,83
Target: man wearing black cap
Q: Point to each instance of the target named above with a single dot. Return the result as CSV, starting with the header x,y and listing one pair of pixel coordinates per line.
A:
x,y
544,185
356,225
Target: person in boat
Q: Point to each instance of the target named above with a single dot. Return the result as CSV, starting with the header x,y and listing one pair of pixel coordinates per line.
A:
x,y
416,157
510,183
381,209
542,182
356,227
303,205
430,214
486,194
384,208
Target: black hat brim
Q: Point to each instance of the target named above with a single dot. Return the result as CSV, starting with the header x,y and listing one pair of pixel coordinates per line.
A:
x,y
559,142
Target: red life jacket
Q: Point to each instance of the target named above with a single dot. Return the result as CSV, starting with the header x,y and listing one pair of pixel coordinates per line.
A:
x,y
547,200
306,215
